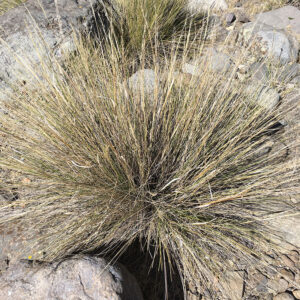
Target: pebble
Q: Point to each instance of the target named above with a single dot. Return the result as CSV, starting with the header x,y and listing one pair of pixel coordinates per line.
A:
x,y
243,18
230,18
278,286
287,274
283,296
296,294
294,256
287,262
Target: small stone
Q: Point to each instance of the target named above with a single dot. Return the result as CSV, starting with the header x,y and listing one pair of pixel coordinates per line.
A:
x,y
243,69
262,284
268,98
288,72
230,18
296,294
215,61
143,80
283,296
259,72
287,262
294,256
190,68
243,18
278,286
218,61
196,6
287,274
238,4
235,283
296,80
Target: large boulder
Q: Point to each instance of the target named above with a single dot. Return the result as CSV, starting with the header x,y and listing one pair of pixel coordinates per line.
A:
x,y
287,18
85,278
196,6
36,31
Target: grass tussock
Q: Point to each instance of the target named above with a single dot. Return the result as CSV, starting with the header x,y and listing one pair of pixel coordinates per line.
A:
x,y
136,25
181,169
5,5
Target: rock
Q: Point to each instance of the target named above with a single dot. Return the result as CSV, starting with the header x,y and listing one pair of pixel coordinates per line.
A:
x,y
238,4
279,46
235,284
289,72
297,278
242,18
261,285
259,72
278,286
263,95
283,296
287,18
215,61
218,62
289,227
288,275
76,278
294,256
28,24
296,80
143,81
192,69
296,294
230,18
196,6
12,245
276,44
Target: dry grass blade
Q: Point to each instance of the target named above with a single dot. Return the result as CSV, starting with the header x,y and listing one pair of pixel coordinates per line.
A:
x,y
180,169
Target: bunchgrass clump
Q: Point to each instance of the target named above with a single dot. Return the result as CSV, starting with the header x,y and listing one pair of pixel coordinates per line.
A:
x,y
135,26
181,168
5,5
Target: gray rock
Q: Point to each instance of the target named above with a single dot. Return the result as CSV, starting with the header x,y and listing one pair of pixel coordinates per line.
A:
x,y
279,46
230,18
290,228
289,72
215,61
191,68
283,296
278,285
235,284
220,62
263,95
27,28
287,18
259,72
261,286
196,6
143,80
83,278
296,80
275,43
242,18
